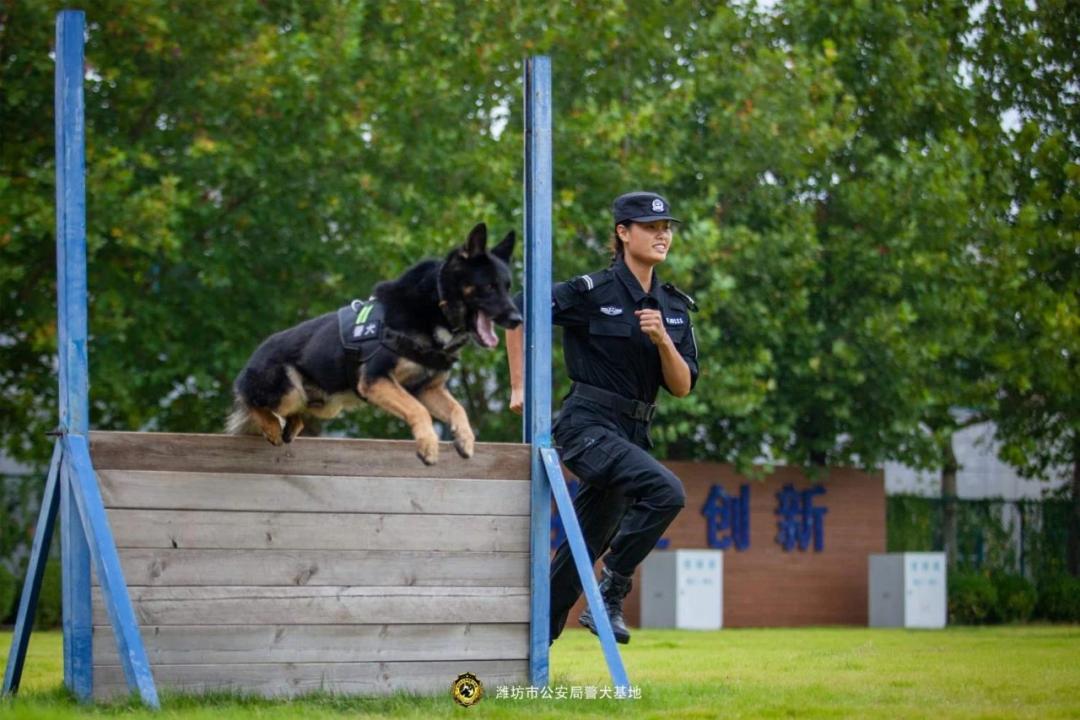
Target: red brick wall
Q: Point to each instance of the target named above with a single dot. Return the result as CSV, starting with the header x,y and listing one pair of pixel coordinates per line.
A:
x,y
766,586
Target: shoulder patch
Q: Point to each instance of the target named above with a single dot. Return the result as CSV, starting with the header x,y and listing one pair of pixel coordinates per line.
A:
x,y
682,296
588,283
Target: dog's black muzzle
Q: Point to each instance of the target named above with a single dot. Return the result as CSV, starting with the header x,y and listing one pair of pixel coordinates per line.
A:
x,y
510,319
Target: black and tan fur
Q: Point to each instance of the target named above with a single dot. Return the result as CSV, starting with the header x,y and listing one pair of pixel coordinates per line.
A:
x,y
439,305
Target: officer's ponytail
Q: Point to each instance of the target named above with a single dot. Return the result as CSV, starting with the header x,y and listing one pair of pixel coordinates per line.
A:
x,y
617,245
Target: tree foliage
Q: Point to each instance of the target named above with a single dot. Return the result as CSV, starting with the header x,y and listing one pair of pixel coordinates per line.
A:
x,y
870,246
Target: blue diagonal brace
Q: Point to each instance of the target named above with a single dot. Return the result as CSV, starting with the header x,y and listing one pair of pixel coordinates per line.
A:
x,y
35,570
106,562
584,567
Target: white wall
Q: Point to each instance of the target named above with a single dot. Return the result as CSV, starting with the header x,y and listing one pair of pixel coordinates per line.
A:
x,y
981,474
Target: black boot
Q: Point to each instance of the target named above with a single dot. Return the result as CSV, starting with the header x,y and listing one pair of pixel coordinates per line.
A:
x,y
613,589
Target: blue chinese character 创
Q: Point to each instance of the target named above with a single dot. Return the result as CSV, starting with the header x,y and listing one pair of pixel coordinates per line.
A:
x,y
728,514
799,520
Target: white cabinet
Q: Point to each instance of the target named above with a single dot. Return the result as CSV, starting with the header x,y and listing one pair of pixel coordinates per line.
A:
x,y
683,589
908,590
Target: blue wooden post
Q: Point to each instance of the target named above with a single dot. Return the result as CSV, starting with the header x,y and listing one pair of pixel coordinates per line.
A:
x,y
71,336
547,476
537,411
83,523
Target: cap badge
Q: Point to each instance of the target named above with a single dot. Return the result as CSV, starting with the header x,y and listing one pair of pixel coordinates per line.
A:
x,y
658,205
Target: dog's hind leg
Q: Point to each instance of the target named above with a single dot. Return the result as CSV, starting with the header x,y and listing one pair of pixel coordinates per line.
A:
x,y
292,403
269,424
293,425
388,394
443,406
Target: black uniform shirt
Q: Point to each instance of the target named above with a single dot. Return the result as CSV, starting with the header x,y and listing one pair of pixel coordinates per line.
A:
x,y
603,343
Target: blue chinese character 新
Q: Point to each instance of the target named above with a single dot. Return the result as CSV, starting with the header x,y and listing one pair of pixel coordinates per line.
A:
x,y
799,520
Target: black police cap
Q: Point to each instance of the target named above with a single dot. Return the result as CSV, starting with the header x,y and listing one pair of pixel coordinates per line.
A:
x,y
641,207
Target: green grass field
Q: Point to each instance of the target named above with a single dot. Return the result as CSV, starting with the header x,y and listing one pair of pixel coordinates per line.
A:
x,y
993,672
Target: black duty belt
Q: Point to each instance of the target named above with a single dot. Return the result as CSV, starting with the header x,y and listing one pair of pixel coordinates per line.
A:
x,y
636,409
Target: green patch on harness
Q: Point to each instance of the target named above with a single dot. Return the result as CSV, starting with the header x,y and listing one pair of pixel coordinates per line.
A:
x,y
362,316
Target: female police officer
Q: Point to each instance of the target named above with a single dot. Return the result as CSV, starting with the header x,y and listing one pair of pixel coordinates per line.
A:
x,y
626,334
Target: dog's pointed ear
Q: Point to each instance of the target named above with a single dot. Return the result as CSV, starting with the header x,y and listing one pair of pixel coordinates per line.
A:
x,y
477,242
505,248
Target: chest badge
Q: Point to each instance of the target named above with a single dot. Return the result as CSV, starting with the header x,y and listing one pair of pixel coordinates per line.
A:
x,y
675,320
611,310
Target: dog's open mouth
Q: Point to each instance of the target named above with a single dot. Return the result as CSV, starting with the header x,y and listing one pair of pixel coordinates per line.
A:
x,y
484,330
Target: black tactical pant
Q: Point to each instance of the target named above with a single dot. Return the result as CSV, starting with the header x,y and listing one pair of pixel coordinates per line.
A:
x,y
626,499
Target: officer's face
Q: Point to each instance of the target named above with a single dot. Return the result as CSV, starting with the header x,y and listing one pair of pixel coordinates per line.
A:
x,y
647,242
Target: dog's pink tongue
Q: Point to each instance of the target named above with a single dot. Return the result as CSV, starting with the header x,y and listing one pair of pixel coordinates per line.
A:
x,y
486,330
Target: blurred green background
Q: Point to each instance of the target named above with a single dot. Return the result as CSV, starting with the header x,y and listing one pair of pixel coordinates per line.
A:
x,y
881,204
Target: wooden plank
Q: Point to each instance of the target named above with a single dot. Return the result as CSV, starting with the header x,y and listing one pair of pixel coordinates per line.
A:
x,y
318,531
294,679
312,493
252,644
304,456
333,605
165,567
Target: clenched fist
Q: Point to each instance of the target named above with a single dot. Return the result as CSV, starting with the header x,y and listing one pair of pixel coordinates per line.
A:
x,y
652,324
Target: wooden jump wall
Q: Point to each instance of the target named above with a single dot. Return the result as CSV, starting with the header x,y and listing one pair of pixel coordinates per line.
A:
x,y
344,566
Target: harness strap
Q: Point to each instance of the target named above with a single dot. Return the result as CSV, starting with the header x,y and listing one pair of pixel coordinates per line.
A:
x,y
407,347
457,322
362,331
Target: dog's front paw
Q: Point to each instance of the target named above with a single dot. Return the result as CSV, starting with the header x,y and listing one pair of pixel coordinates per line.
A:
x,y
293,426
275,440
465,443
427,449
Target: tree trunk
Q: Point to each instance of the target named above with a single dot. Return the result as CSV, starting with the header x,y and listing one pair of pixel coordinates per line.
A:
x,y
949,467
1074,517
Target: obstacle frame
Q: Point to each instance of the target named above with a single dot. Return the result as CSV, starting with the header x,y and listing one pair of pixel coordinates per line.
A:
x,y
72,493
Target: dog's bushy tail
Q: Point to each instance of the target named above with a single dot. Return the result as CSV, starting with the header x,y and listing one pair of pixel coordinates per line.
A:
x,y
240,422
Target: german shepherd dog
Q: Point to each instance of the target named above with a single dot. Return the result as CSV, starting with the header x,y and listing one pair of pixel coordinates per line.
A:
x,y
429,313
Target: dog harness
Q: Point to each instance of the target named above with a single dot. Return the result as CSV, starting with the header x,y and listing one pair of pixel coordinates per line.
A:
x,y
362,329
